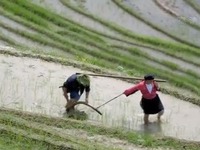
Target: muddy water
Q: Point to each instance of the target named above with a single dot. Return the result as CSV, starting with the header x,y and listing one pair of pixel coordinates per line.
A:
x,y
32,85
151,12
114,14
111,13
59,8
29,43
3,43
197,2
183,9
15,24
182,64
41,48
17,38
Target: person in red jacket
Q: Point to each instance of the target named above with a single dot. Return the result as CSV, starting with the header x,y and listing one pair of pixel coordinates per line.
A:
x,y
150,102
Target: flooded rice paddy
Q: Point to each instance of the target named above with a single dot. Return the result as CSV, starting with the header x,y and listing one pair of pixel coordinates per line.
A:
x,y
27,42
111,13
182,9
59,8
32,85
151,12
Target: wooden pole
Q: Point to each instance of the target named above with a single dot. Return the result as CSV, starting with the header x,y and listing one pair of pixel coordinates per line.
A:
x,y
120,77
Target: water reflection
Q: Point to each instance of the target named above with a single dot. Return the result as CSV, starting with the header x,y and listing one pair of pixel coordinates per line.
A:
x,y
151,128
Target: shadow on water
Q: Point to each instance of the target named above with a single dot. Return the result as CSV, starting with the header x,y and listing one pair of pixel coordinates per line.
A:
x,y
151,128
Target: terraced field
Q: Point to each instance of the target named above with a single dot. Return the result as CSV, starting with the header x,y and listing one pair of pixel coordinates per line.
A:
x,y
129,38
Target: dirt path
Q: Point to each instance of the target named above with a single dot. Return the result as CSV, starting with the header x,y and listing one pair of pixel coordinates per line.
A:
x,y
32,85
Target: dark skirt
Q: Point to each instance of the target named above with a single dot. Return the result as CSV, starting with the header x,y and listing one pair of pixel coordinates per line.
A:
x,y
152,106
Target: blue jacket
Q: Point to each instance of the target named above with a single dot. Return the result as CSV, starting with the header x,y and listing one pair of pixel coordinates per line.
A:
x,y
73,85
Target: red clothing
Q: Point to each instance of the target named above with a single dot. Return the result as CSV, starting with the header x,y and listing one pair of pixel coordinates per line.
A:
x,y
143,89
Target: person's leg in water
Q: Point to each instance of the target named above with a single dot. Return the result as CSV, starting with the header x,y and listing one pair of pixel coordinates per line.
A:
x,y
159,115
74,97
146,119
144,107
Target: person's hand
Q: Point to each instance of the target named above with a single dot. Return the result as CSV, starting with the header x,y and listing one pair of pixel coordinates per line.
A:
x,y
126,93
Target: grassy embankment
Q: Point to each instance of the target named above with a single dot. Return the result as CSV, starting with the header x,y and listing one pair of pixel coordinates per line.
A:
x,y
42,129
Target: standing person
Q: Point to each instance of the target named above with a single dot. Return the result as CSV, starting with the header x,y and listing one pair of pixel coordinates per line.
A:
x,y
75,85
150,102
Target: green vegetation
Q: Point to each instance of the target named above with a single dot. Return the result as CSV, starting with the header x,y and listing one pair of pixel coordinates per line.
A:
x,y
10,140
93,51
19,125
98,52
39,125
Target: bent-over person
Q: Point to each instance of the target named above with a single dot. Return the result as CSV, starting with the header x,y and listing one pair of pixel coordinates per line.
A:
x,y
75,85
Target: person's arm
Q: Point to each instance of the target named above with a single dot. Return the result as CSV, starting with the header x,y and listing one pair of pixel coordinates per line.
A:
x,y
131,90
65,93
157,86
87,93
87,97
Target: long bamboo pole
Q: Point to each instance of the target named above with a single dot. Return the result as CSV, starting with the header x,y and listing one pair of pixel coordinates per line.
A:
x,y
121,77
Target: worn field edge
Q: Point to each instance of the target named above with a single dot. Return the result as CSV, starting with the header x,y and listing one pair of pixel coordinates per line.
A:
x,y
130,136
